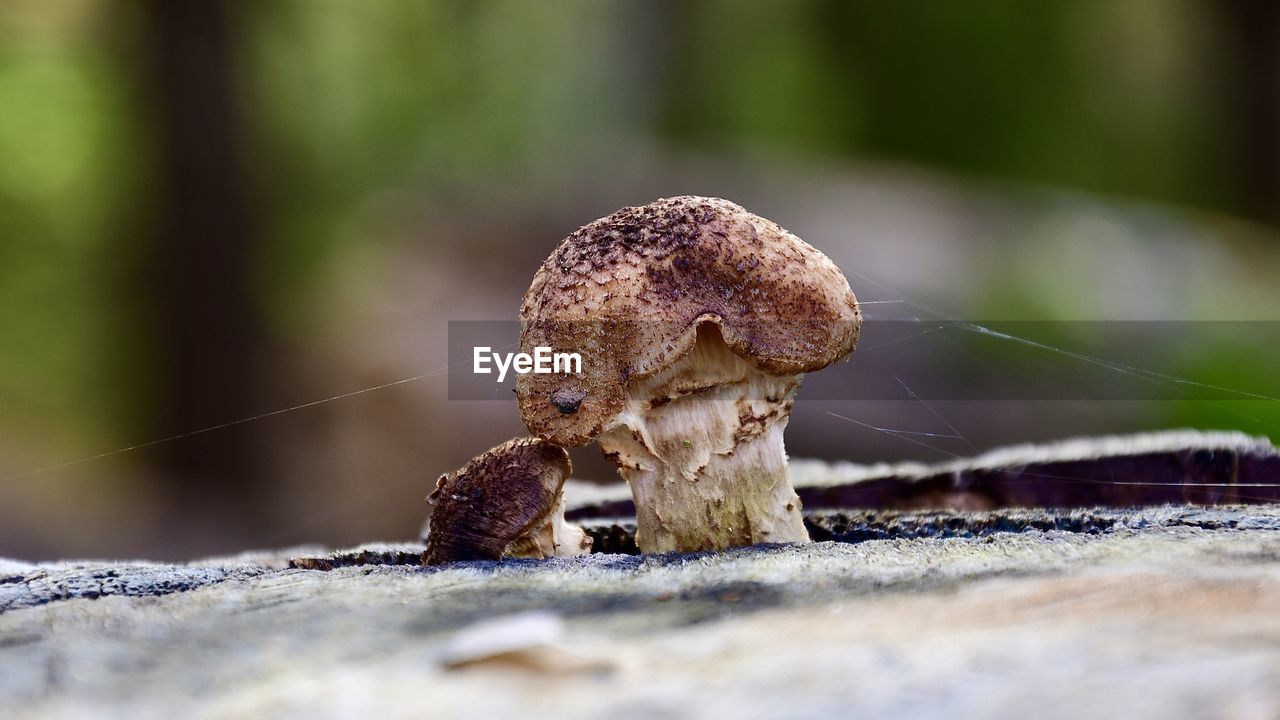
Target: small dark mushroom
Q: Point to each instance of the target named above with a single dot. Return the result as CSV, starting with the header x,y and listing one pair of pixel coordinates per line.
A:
x,y
504,503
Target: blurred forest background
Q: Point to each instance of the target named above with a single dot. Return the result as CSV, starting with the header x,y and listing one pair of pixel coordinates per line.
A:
x,y
210,211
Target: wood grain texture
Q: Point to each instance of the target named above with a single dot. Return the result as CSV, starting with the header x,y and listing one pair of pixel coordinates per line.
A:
x,y
1172,611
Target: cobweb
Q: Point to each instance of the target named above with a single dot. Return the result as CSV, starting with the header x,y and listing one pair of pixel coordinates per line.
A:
x,y
932,430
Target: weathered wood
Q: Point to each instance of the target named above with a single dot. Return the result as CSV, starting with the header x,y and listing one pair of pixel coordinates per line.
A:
x,y
1202,468
1153,612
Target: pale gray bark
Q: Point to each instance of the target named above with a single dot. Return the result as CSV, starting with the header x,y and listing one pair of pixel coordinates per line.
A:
x,y
1162,612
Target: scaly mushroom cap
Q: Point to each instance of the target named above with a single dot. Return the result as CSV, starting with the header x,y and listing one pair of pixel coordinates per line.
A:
x,y
628,292
495,500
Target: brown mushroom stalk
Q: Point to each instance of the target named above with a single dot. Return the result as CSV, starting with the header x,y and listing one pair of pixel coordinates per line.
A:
x,y
508,502
695,320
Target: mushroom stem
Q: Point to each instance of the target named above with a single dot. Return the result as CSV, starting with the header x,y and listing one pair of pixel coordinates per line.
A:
x,y
701,446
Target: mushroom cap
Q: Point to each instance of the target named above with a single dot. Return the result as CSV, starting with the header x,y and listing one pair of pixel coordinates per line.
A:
x,y
480,509
629,291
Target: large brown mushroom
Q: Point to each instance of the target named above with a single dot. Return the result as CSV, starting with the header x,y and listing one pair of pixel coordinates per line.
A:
x,y
694,320
507,502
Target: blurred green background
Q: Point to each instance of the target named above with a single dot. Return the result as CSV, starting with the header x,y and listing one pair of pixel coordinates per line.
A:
x,y
211,211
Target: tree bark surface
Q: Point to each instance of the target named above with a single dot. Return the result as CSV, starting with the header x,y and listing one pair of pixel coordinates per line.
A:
x,y
1168,611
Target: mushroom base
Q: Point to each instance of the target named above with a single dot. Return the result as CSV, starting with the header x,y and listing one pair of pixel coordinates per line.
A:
x,y
701,447
554,538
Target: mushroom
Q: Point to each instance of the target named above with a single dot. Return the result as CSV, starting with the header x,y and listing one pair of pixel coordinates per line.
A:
x,y
507,502
695,320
